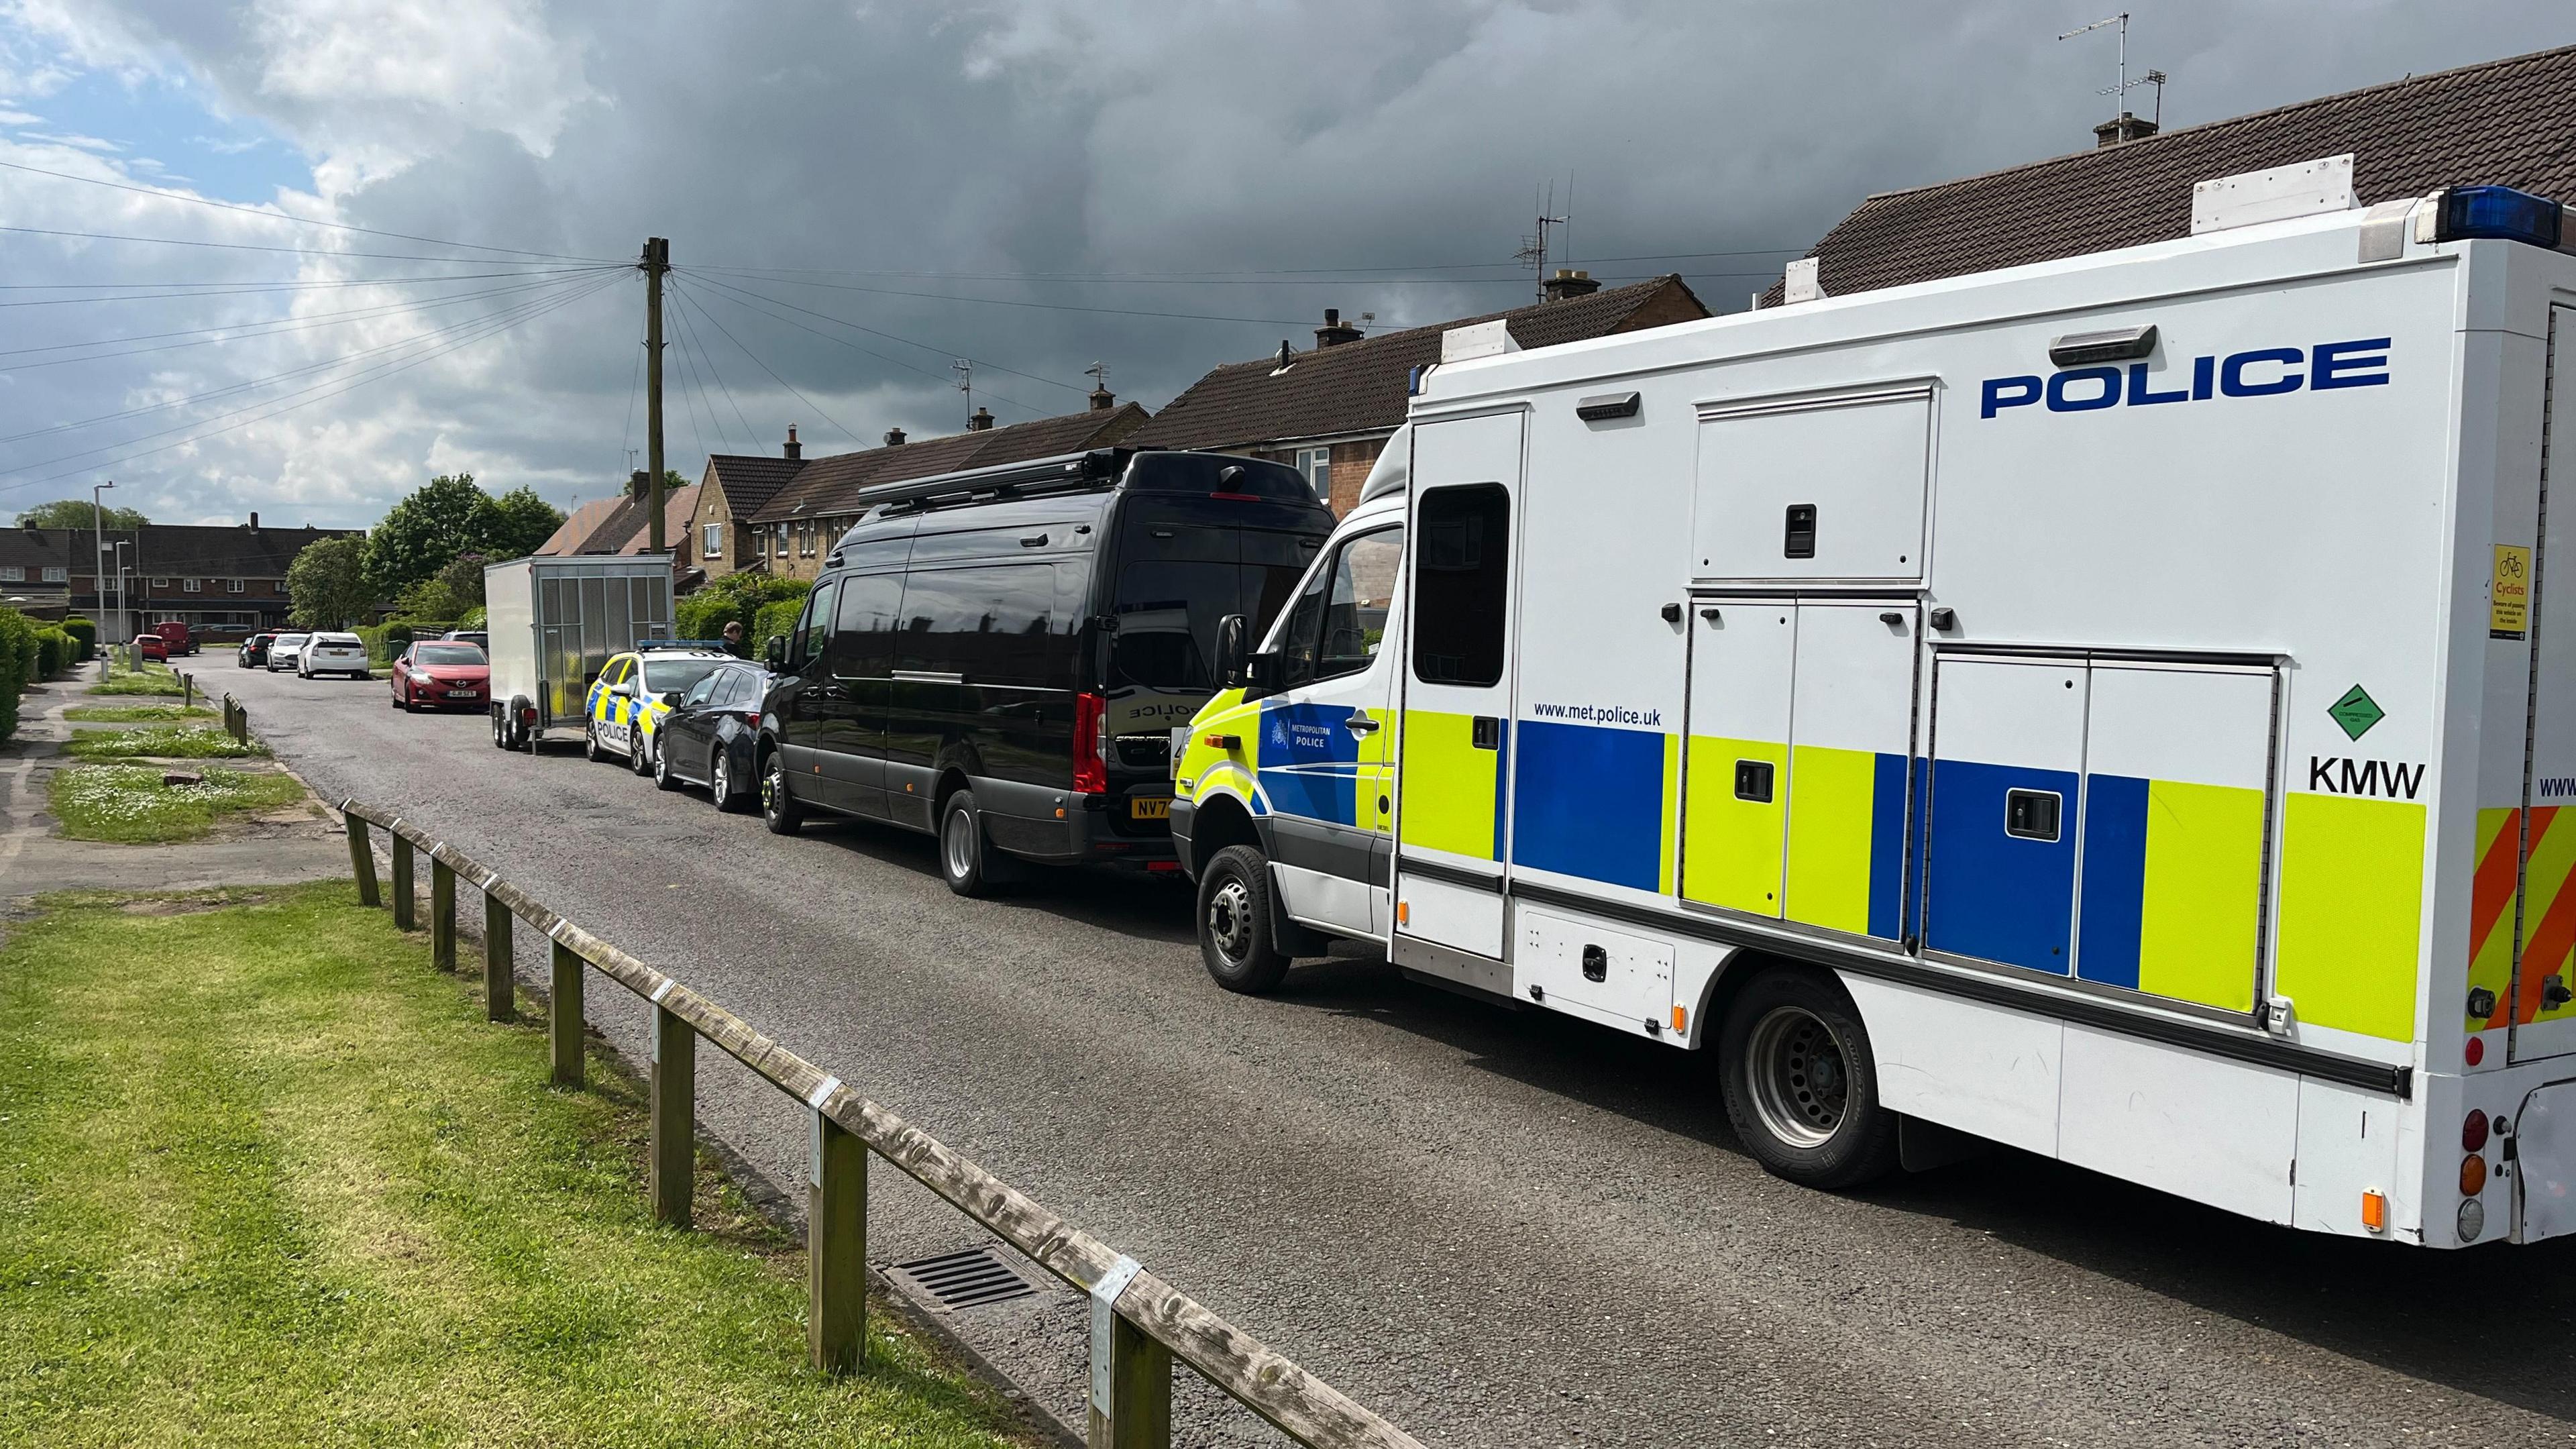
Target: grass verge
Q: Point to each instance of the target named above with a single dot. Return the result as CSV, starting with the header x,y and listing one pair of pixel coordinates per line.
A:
x,y
272,1181
129,803
162,742
156,680
134,713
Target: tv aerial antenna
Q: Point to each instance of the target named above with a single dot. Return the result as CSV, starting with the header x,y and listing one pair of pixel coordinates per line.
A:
x,y
965,370
2122,85
1534,247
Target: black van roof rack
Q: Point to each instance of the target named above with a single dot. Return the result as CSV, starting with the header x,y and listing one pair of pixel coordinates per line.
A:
x,y
1063,473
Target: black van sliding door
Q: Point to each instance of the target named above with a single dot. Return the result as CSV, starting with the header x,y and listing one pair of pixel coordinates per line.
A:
x,y
982,679
861,661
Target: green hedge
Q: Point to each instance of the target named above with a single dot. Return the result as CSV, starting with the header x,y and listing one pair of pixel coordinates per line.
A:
x,y
743,597
477,617
18,657
392,637
84,634
773,621
54,652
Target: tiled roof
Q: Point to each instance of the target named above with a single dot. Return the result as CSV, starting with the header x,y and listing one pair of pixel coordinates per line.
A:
x,y
1359,386
829,486
2507,122
580,524
162,550
750,480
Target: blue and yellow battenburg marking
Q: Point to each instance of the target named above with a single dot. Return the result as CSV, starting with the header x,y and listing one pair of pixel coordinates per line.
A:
x,y
1815,835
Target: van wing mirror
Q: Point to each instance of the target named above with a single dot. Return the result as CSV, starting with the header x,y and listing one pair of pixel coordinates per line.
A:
x,y
1261,674
1230,646
775,652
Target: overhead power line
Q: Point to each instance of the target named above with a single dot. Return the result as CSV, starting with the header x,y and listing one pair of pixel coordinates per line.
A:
x,y
717,323
736,297
217,289
267,215
888,336
173,241
703,272
1251,272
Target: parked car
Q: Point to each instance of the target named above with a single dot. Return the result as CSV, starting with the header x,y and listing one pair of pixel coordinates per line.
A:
x,y
1000,656
711,736
219,636
633,693
151,646
479,638
441,674
283,649
254,650
175,635
333,654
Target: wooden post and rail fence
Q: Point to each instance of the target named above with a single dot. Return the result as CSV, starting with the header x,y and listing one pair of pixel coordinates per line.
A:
x,y
1139,1323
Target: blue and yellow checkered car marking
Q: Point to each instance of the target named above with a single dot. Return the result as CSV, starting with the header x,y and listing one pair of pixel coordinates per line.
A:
x,y
1453,791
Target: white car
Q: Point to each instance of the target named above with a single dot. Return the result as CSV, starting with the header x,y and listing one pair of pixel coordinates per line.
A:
x,y
283,650
332,654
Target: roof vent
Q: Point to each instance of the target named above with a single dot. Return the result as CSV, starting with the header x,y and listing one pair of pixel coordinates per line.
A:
x,y
2307,188
1484,339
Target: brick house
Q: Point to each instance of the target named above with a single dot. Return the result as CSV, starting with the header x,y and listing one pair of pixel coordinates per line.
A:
x,y
1328,412
36,572
2503,122
730,492
804,517
621,524
223,576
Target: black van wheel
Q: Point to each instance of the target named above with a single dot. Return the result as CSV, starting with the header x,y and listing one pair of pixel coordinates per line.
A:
x,y
1234,922
778,809
966,858
1801,1086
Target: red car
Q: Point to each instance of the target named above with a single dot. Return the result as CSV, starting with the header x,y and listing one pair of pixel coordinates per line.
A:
x,y
152,646
442,674
175,636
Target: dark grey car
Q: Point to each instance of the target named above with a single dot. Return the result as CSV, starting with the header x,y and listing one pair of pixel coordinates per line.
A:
x,y
709,737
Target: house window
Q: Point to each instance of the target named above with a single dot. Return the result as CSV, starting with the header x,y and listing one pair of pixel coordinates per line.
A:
x,y
711,543
805,539
56,573
1317,465
192,585
235,586
160,583
782,541
13,574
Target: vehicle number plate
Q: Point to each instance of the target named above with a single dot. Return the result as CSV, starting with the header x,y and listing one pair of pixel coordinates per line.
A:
x,y
460,694
1156,809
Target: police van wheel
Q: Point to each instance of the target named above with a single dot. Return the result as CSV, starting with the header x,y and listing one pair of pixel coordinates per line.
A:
x,y
1234,922
778,809
1801,1086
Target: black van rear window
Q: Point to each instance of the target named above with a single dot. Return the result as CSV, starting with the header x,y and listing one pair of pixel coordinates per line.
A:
x,y
1168,610
1205,473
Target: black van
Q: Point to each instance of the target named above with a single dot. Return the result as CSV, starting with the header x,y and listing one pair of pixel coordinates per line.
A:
x,y
1000,656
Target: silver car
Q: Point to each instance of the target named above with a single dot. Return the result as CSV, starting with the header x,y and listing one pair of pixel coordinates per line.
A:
x,y
332,654
283,649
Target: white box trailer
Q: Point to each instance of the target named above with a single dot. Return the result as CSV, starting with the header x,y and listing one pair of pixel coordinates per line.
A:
x,y
2117,707
555,623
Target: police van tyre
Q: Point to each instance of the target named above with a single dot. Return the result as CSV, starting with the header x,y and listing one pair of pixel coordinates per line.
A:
x,y
1800,1084
778,809
967,860
1234,922
663,779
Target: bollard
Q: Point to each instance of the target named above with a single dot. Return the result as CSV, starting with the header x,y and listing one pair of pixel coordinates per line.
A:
x,y
672,1157
406,910
500,986
836,1246
187,691
563,1017
1131,1373
442,915
362,859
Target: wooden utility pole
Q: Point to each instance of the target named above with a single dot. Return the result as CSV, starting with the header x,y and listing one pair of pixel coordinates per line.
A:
x,y
657,260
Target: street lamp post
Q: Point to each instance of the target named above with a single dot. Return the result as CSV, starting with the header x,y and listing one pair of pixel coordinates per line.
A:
x,y
97,575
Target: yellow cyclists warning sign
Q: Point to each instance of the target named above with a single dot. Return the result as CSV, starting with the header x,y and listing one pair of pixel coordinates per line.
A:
x,y
2509,600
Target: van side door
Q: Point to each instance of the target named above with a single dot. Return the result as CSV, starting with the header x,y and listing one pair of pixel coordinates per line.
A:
x,y
805,693
850,711
1324,740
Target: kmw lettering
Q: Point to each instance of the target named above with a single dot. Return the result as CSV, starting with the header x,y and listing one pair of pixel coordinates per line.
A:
x,y
2391,780
2259,372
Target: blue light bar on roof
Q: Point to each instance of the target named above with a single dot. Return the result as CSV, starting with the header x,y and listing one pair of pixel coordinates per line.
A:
x,y
2499,212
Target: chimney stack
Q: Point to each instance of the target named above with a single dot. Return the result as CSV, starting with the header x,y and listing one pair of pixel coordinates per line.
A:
x,y
794,449
2124,127
894,437
1335,332
982,422
639,483
1569,282
1102,399
254,521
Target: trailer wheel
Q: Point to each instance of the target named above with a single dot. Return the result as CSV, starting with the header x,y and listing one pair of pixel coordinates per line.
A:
x,y
1801,1086
500,731
1234,922
778,809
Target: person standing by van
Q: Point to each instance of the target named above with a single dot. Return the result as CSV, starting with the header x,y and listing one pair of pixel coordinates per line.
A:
x,y
734,643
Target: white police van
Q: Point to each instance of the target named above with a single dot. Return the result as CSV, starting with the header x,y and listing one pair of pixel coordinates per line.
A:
x,y
2117,707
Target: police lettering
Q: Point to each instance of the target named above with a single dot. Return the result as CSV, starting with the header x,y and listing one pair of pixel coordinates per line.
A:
x,y
2258,372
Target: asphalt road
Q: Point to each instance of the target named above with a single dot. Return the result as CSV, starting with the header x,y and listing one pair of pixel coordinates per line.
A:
x,y
1494,1227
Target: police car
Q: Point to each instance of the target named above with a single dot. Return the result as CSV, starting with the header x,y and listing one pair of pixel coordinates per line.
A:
x,y
634,691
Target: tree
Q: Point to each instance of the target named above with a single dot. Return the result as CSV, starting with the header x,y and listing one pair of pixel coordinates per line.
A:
x,y
78,513
464,578
430,600
449,516
328,583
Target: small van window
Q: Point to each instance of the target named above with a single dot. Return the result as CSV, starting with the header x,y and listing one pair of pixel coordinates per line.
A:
x,y
863,634
1340,618
817,623
993,625
1461,585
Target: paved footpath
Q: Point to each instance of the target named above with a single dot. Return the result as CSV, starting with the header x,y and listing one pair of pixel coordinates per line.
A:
x,y
1495,1228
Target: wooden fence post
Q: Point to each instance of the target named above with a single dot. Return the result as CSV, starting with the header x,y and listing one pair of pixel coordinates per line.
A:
x,y
563,1016
406,912
187,691
836,1247
500,981
673,1156
442,915
362,859
1131,1373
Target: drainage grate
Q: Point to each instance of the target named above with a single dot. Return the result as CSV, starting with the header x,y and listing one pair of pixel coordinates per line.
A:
x,y
970,1278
